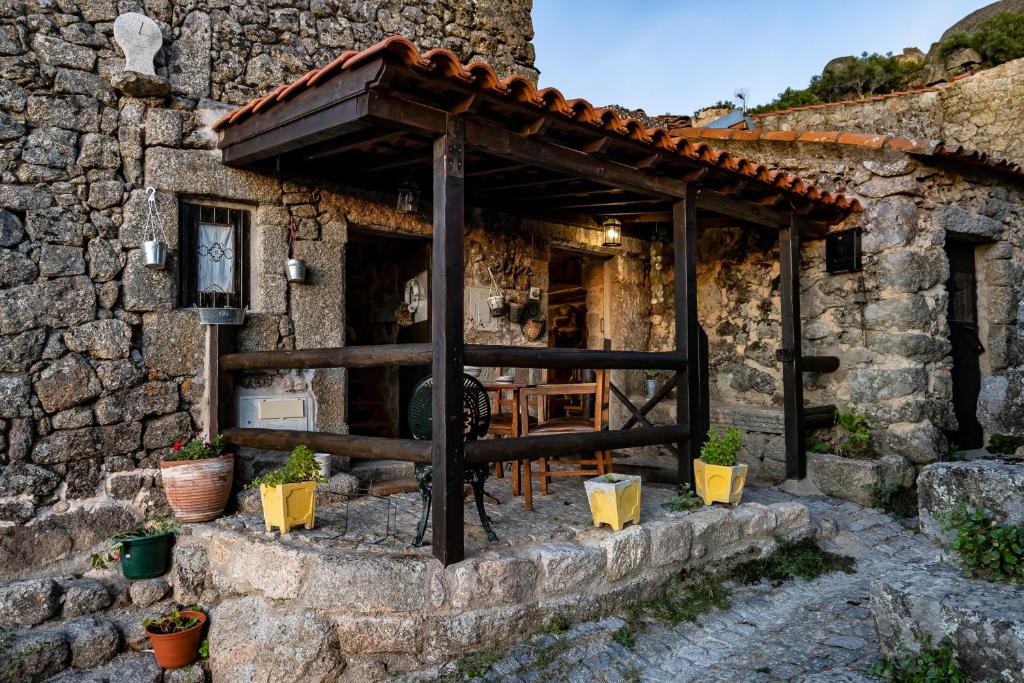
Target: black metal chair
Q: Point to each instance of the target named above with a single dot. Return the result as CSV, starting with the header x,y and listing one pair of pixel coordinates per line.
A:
x,y
476,412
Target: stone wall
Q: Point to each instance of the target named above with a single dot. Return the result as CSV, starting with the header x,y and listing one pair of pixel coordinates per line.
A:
x,y
980,112
887,324
99,371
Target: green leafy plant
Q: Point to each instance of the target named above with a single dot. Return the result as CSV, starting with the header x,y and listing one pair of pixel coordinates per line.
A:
x,y
1002,445
803,559
688,604
474,665
930,665
897,500
988,548
301,466
686,500
558,625
196,447
652,374
152,527
204,648
722,449
172,622
854,434
955,453
998,39
817,446
625,636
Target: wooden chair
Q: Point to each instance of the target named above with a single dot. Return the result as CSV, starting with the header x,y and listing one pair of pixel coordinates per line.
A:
x,y
580,465
507,425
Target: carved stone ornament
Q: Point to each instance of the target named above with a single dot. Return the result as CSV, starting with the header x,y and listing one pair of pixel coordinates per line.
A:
x,y
140,39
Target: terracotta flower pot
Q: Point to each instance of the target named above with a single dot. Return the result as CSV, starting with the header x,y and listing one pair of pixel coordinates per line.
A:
x,y
198,490
175,650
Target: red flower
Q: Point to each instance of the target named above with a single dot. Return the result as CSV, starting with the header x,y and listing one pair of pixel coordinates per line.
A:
x,y
176,446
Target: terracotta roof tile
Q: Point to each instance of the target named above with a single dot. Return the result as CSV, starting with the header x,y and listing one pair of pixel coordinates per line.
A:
x,y
916,146
549,100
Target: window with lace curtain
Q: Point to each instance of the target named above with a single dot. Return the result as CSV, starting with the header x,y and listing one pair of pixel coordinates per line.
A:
x,y
213,264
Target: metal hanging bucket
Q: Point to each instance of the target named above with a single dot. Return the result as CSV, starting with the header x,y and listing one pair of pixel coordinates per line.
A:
x,y
497,305
154,254
154,250
295,268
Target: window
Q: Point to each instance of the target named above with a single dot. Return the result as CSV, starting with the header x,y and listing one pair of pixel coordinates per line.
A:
x,y
213,264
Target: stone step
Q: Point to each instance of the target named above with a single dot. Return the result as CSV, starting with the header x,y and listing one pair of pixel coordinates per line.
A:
x,y
983,619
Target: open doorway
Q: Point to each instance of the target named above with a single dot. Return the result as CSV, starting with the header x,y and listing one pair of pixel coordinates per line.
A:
x,y
383,272
962,288
576,315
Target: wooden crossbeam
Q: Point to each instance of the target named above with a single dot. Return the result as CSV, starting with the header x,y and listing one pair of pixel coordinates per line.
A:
x,y
638,415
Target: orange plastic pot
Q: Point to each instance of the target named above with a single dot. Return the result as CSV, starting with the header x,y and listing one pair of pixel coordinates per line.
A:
x,y
175,650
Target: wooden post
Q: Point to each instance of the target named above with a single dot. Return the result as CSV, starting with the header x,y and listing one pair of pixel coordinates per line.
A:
x,y
220,384
446,327
790,351
684,247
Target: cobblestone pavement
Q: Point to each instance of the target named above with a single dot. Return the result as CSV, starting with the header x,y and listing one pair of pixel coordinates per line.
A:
x,y
819,630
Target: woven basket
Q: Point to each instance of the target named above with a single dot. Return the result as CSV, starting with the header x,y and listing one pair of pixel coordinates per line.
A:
x,y
533,329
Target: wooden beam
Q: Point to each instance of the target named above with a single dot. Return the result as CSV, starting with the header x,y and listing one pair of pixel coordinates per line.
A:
x,y
341,357
650,162
597,146
533,447
352,446
526,357
663,391
790,351
446,292
220,384
684,246
738,208
820,363
515,147
536,127
470,103
639,416
360,143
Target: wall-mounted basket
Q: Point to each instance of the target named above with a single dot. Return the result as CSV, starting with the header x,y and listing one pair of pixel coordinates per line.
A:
x,y
221,316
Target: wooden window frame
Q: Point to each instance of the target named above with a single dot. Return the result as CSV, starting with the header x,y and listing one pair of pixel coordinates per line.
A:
x,y
190,215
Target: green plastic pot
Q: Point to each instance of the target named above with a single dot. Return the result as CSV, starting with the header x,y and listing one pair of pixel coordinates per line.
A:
x,y
144,557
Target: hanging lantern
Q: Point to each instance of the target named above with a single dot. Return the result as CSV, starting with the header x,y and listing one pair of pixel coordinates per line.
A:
x,y
612,232
408,197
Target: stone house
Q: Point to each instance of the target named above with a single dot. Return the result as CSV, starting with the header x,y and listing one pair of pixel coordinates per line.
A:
x,y
101,363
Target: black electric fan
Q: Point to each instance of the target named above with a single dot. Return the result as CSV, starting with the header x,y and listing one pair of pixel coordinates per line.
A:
x,y
476,419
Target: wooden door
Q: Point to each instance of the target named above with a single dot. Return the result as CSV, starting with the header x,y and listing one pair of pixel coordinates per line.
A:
x,y
963,332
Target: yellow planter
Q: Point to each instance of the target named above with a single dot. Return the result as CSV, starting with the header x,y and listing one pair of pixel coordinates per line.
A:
x,y
289,505
614,502
719,482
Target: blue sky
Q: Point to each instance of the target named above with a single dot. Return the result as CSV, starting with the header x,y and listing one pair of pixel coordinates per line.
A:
x,y
673,56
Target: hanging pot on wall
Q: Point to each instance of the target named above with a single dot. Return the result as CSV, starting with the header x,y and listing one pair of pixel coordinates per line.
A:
x,y
496,302
295,268
154,254
515,311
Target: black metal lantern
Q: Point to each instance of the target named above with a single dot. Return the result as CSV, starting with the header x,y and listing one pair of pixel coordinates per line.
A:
x,y
612,232
408,197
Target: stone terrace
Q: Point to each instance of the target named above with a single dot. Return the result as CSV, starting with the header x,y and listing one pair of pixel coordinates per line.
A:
x,y
394,609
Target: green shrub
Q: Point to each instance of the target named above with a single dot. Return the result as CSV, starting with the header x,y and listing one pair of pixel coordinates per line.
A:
x,y
930,665
558,625
1002,445
998,39
802,559
854,434
987,548
152,527
722,449
301,466
788,99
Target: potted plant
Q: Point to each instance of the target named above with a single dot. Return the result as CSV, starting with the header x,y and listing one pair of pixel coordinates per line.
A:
x,y
144,552
717,475
175,636
154,249
288,494
614,499
651,383
197,476
516,306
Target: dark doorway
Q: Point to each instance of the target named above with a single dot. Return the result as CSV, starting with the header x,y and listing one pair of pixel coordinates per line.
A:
x,y
379,270
963,332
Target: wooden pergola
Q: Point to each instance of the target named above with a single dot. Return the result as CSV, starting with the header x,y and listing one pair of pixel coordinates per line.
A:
x,y
390,114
